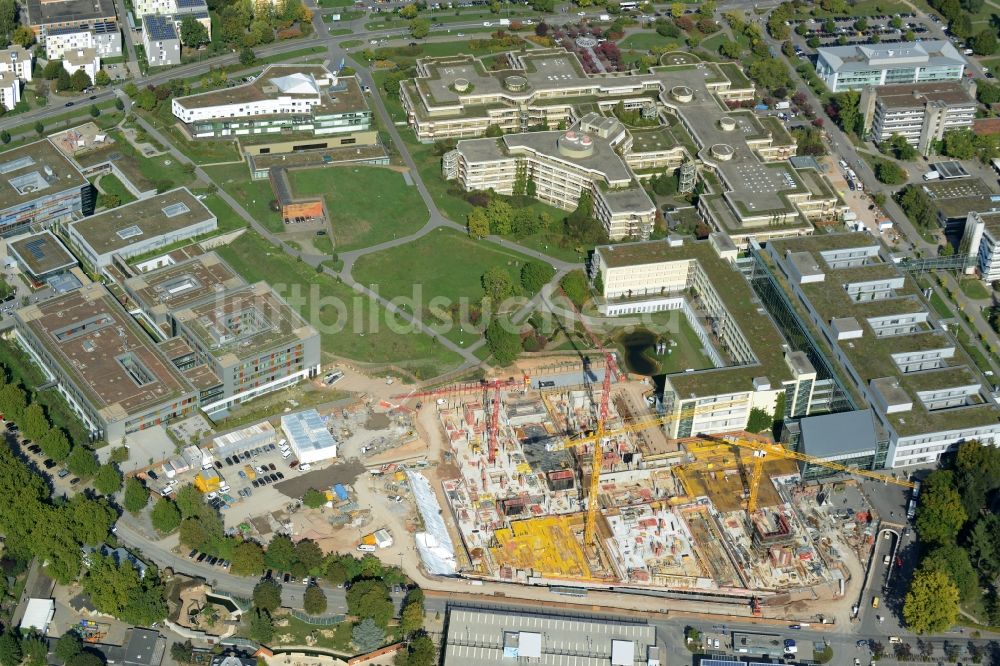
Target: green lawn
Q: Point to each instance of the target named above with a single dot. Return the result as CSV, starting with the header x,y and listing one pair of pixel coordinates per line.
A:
x,y
162,170
445,264
227,217
974,289
712,43
5,289
644,41
254,195
109,184
201,151
351,325
367,205
330,4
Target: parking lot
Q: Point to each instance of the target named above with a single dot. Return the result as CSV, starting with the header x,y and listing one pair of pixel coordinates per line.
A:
x,y
842,29
58,477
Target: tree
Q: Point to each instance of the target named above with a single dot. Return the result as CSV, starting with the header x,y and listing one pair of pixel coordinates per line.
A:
x,y
280,553
33,422
82,462
165,516
193,32
36,650
770,73
940,515
408,11
889,173
119,104
500,215
367,635
959,144
759,420
102,79
931,604
478,223
136,496
977,473
39,128
248,559
54,444
503,343
146,100
419,652
574,284
314,601
261,626
86,658
420,28
308,554
8,19
985,43
118,590
247,56
108,479
24,36
497,284
267,595
94,111
314,498
954,561
370,599
10,649
535,275
411,619
5,136
68,646
730,49
80,80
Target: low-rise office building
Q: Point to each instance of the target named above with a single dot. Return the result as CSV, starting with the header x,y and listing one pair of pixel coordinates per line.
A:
x,y
953,200
920,386
487,636
160,40
110,372
103,37
308,436
41,255
919,112
240,340
40,186
284,99
561,165
141,226
753,366
856,66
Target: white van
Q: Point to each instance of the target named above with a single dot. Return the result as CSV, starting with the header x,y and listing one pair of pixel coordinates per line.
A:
x,y
366,548
285,454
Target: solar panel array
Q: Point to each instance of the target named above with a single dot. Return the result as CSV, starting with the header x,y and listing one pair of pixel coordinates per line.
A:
x,y
35,247
159,27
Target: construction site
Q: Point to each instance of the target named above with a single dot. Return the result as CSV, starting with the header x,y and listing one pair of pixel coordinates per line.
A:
x,y
724,515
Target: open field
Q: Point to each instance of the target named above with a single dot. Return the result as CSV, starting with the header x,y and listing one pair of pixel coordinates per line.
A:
x,y
367,205
254,195
444,264
351,325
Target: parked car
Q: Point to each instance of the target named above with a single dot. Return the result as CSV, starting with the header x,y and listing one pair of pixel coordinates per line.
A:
x,y
194,551
305,467
218,464
273,477
49,463
280,476
201,558
287,577
63,473
271,467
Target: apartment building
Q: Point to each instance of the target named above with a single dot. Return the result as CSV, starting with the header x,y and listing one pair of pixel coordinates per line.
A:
x,y
923,390
103,37
562,165
40,186
18,61
10,90
754,367
856,66
111,374
82,60
160,40
919,112
284,99
44,16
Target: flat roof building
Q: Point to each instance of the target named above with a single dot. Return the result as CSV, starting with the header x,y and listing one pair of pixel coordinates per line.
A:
x,y
919,384
919,112
308,436
160,40
981,243
753,365
848,438
244,340
45,15
41,255
307,99
141,226
102,36
111,373
40,186
480,637
855,66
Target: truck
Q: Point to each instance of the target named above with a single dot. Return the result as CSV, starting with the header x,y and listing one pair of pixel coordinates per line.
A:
x,y
504,22
781,106
931,175
604,17
251,474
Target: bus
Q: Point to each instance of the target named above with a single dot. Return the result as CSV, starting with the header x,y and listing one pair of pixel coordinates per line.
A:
x,y
568,591
628,5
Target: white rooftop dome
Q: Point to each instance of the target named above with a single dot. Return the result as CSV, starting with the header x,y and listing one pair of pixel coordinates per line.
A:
x,y
296,84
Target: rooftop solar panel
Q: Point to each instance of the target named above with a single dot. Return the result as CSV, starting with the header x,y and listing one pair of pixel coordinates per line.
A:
x,y
35,246
159,27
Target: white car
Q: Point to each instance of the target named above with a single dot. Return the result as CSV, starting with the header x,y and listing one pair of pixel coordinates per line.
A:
x,y
305,467
211,496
